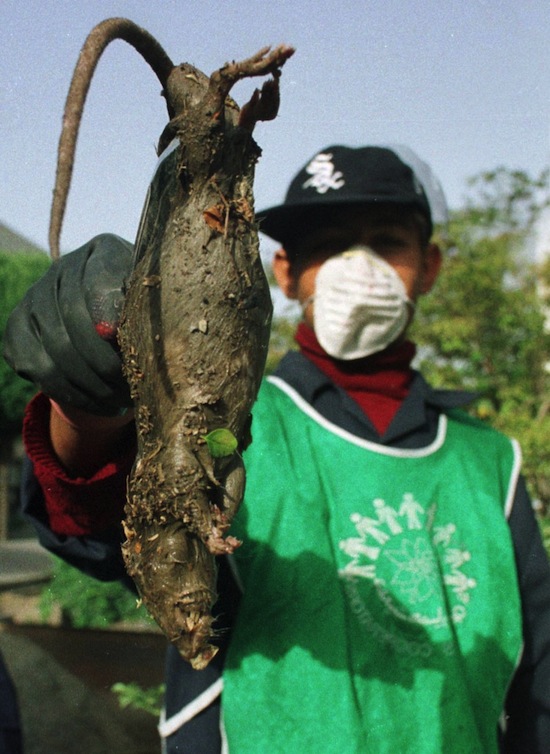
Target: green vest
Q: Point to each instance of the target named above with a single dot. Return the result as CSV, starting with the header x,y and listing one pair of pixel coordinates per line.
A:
x,y
381,611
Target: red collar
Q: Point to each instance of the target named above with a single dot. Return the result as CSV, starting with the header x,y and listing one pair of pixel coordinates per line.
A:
x,y
378,383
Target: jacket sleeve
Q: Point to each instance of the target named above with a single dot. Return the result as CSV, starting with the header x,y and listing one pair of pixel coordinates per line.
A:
x,y
97,555
79,520
191,715
527,713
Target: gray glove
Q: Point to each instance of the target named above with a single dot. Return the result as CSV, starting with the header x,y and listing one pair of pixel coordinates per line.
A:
x,y
62,336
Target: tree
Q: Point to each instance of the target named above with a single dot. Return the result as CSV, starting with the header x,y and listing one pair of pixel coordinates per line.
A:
x,y
17,273
503,200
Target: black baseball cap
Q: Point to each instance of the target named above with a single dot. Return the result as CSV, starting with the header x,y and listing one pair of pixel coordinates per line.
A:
x,y
340,175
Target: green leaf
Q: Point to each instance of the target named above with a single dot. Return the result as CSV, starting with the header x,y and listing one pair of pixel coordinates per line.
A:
x,y
133,695
221,443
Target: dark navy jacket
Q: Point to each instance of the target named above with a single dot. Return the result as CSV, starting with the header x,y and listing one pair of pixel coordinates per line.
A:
x,y
10,725
414,426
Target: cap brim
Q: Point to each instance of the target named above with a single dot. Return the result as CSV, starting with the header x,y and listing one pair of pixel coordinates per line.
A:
x,y
286,221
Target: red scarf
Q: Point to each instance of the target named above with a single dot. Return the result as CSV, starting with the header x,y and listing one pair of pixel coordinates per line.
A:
x,y
378,383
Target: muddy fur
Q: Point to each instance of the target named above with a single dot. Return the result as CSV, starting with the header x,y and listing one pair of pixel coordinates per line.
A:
x,y
194,332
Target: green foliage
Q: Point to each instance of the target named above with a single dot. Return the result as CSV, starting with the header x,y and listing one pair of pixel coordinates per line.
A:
x,y
545,531
482,327
503,200
134,695
281,341
17,273
86,602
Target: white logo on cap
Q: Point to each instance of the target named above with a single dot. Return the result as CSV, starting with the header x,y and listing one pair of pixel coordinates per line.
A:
x,y
323,174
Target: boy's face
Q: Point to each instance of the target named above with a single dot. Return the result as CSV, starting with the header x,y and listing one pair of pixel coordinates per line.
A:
x,y
398,239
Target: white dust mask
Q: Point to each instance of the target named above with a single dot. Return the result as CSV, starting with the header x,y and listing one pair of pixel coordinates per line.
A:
x,y
360,304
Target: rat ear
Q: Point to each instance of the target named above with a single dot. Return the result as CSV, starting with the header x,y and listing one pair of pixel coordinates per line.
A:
x,y
284,274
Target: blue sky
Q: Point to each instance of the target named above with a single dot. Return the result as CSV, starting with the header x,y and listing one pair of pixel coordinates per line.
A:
x,y
464,84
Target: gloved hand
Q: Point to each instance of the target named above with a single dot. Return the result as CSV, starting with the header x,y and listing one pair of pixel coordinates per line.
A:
x,y
62,336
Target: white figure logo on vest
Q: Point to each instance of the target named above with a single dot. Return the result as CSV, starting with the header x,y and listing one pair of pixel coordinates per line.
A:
x,y
406,556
